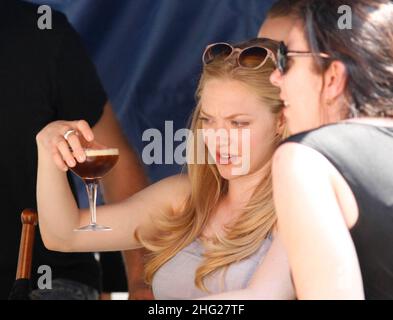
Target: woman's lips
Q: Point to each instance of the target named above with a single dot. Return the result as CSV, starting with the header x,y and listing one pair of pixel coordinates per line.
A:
x,y
225,159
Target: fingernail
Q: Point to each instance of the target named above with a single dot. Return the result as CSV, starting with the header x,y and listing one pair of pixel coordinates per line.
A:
x,y
81,158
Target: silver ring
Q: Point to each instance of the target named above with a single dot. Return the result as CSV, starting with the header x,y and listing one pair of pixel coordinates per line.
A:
x,y
67,134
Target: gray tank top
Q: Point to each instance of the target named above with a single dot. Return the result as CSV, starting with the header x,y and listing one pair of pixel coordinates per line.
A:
x,y
175,280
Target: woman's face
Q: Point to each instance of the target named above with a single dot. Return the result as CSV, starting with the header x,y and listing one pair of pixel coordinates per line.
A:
x,y
300,86
243,127
276,28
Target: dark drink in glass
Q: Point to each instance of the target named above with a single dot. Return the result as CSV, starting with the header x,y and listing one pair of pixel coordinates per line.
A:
x,y
99,161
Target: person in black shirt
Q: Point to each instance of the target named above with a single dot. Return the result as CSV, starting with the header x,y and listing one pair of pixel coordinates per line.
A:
x,y
46,75
333,180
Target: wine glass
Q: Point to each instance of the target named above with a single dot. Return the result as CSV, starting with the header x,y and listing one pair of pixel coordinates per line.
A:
x,y
99,161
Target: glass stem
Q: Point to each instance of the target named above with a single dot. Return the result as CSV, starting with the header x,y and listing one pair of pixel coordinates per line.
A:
x,y
92,187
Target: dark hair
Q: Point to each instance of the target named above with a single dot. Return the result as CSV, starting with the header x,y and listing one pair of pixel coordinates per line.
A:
x,y
366,50
282,8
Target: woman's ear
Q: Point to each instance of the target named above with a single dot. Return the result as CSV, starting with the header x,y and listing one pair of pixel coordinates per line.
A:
x,y
335,80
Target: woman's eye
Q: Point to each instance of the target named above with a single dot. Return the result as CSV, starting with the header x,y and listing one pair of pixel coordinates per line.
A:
x,y
240,124
204,120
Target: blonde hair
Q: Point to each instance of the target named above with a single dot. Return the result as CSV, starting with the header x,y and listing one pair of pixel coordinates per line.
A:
x,y
251,228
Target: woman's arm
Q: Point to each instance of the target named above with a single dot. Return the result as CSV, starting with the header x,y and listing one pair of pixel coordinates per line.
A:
x,y
271,281
116,187
321,252
58,211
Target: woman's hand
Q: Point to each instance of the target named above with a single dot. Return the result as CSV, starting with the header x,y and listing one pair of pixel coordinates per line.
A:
x,y
63,141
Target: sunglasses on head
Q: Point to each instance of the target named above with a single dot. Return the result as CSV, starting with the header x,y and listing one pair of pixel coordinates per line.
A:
x,y
283,54
252,57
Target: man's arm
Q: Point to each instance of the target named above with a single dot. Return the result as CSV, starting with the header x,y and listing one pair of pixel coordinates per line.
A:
x,y
125,179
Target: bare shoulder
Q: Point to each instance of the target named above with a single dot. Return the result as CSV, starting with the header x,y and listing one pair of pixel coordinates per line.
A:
x,y
298,173
301,168
179,184
164,198
178,188
297,160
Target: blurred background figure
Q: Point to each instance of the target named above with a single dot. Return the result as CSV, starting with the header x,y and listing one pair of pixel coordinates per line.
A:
x,y
47,75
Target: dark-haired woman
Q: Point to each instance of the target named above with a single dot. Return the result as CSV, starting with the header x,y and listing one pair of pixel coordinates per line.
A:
x,y
333,180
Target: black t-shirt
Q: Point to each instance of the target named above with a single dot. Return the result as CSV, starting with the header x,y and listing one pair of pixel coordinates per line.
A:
x,y
363,154
45,75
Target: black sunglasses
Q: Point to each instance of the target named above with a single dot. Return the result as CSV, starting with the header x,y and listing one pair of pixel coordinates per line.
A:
x,y
252,57
283,54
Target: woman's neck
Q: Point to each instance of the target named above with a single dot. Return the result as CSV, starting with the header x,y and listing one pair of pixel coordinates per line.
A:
x,y
241,189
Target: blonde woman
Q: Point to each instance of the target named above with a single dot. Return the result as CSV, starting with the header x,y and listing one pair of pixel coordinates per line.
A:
x,y
210,231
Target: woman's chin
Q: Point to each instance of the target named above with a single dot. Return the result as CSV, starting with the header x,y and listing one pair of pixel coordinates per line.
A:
x,y
229,172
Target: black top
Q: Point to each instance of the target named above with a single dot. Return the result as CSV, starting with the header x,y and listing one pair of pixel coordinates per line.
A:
x,y
363,154
45,75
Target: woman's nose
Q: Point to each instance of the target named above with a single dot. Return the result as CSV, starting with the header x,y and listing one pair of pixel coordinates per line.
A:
x,y
222,136
219,134
276,78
